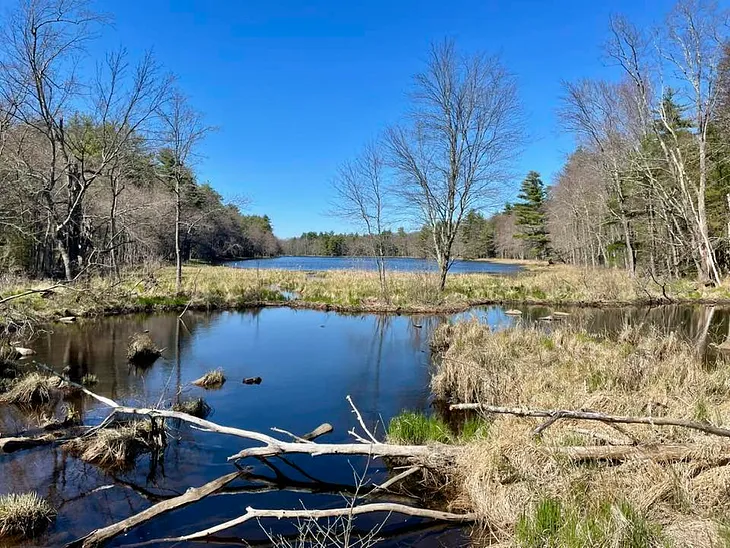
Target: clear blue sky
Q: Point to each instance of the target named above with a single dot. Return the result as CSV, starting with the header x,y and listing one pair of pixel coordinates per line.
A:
x,y
297,86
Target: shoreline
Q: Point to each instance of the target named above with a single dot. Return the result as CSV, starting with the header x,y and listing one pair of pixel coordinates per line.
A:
x,y
208,287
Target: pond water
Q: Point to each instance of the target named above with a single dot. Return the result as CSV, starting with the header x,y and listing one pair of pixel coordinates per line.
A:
x,y
308,360
397,264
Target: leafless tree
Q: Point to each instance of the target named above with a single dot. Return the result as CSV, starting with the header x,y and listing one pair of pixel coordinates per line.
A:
x,y
183,131
42,44
595,111
686,54
465,128
363,196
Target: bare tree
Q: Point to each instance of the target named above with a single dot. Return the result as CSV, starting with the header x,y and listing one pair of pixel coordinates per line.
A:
x,y
687,54
42,44
183,131
465,128
596,113
362,197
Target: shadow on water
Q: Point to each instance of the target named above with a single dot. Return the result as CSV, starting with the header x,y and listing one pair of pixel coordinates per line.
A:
x,y
308,360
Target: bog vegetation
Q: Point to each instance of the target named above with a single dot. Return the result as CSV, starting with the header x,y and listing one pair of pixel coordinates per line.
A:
x,y
546,488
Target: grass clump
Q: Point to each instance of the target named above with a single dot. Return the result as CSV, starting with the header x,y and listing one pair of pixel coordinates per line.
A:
x,y
89,379
212,379
24,515
115,448
197,407
142,350
411,428
553,523
32,389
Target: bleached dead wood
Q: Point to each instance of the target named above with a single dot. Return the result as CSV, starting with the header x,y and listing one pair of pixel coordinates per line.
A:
x,y
555,414
660,453
255,514
99,536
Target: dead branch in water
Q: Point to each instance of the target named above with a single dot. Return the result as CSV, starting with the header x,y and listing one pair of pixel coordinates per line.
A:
x,y
255,514
555,414
99,536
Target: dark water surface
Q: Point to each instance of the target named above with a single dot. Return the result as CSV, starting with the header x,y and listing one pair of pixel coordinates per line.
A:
x,y
398,264
309,362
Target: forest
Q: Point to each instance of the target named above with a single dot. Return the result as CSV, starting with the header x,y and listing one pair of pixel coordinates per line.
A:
x,y
100,173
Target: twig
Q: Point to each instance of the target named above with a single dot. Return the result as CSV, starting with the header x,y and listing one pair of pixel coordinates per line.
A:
x,y
362,422
395,479
595,416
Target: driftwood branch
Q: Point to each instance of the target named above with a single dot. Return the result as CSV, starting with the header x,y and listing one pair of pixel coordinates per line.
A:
x,y
554,415
30,292
99,536
254,514
395,479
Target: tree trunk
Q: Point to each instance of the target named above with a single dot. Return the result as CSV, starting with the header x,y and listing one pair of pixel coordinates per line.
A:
x,y
178,250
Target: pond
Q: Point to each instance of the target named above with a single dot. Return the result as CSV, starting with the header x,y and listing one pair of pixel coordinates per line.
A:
x,y
309,362
396,264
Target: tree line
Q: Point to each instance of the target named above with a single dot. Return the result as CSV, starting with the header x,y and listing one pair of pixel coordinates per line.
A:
x,y
646,188
97,156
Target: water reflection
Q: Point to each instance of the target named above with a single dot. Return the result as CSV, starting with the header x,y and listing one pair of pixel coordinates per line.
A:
x,y
309,362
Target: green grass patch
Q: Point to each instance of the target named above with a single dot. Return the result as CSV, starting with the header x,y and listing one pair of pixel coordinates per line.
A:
x,y
414,428
411,428
553,523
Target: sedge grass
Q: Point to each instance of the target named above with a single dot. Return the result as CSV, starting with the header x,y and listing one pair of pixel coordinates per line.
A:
x,y
113,448
32,389
212,379
24,515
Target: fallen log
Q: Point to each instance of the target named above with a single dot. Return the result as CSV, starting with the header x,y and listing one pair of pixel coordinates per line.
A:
x,y
555,414
660,453
256,514
99,536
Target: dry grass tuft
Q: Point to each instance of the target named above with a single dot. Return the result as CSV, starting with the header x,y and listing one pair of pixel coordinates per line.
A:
x,y
114,448
24,515
195,407
212,379
142,350
32,389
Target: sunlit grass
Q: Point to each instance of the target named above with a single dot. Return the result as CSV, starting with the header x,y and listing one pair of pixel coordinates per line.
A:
x,y
209,287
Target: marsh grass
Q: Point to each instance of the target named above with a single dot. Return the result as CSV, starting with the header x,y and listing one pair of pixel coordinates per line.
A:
x,y
24,515
114,448
142,350
553,523
89,380
32,389
212,379
412,428
517,483
206,287
197,407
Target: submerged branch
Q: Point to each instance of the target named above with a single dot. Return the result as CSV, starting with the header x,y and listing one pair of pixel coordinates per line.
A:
x,y
255,514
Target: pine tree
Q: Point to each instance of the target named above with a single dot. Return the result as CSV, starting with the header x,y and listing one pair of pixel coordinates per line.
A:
x,y
531,218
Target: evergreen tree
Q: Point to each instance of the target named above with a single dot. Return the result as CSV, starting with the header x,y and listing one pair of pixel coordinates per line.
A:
x,y
531,218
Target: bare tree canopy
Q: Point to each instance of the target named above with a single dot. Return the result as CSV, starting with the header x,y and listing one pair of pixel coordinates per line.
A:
x,y
454,153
